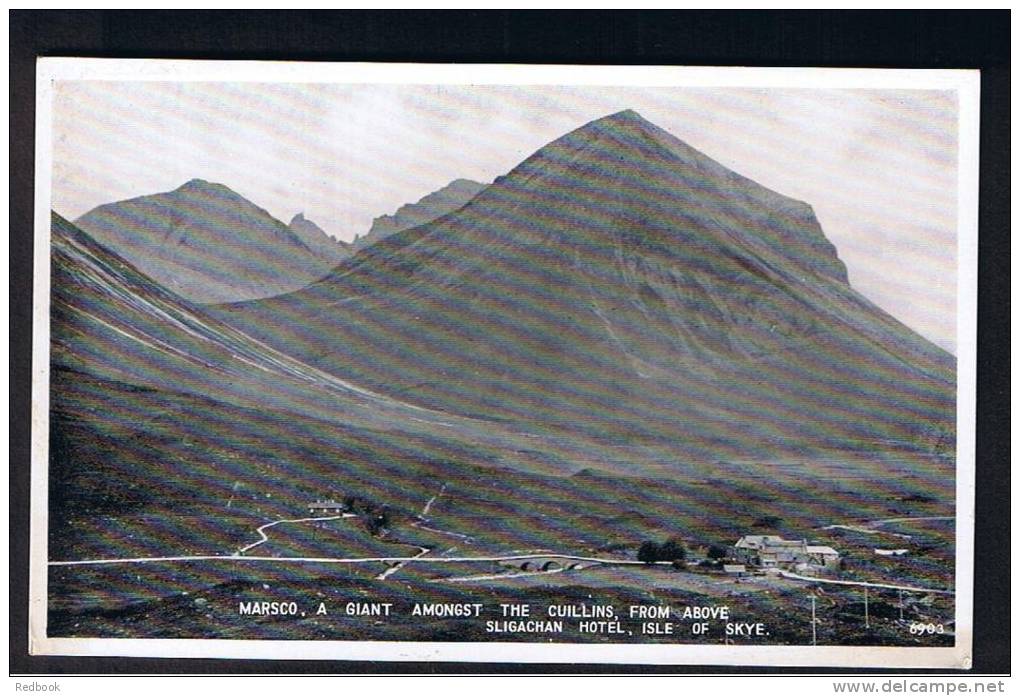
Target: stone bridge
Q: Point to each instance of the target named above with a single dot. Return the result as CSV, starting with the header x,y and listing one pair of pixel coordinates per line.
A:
x,y
544,564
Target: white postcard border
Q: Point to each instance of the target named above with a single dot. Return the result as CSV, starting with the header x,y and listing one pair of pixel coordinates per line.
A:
x,y
966,84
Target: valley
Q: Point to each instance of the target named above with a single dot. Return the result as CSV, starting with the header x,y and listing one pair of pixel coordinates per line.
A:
x,y
481,527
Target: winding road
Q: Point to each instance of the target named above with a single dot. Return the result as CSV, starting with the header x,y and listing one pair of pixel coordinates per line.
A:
x,y
872,527
262,530
390,571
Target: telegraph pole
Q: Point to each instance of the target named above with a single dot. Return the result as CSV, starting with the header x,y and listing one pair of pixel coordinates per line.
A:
x,y
901,605
814,632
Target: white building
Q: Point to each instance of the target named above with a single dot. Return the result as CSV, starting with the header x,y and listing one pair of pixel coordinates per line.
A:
x,y
768,551
325,507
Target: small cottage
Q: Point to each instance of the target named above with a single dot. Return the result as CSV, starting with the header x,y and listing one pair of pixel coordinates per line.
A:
x,y
325,507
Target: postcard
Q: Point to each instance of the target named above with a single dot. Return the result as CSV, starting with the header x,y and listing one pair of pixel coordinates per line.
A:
x,y
587,364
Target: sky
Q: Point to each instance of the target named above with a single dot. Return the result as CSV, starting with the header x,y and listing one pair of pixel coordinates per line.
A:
x,y
878,166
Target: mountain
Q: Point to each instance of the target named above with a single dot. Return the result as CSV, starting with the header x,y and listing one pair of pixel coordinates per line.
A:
x,y
622,285
436,204
316,239
208,244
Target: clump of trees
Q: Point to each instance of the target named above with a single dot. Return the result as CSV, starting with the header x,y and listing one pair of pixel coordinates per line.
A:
x,y
377,518
378,522
670,550
357,504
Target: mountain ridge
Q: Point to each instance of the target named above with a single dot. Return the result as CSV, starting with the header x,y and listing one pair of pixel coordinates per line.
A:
x,y
426,209
207,243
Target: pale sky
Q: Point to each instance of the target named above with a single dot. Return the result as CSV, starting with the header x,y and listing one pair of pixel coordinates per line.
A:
x,y
878,166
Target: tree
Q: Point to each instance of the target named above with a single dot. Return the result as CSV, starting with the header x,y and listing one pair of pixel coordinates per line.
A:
x,y
353,503
648,552
717,553
672,550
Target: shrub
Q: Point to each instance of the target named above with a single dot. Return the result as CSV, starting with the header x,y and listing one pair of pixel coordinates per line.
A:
x,y
768,522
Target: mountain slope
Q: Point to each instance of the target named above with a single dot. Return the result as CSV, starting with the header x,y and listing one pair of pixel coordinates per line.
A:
x,y
112,321
207,243
621,284
436,204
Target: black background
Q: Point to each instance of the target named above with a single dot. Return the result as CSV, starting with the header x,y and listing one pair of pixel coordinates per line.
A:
x,y
901,39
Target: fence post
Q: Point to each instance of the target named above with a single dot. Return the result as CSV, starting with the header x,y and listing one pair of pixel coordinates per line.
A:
x,y
867,619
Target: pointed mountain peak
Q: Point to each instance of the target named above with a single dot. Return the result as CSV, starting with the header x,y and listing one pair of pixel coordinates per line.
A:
x,y
199,185
625,166
625,116
605,144
207,189
626,120
206,242
300,222
317,239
